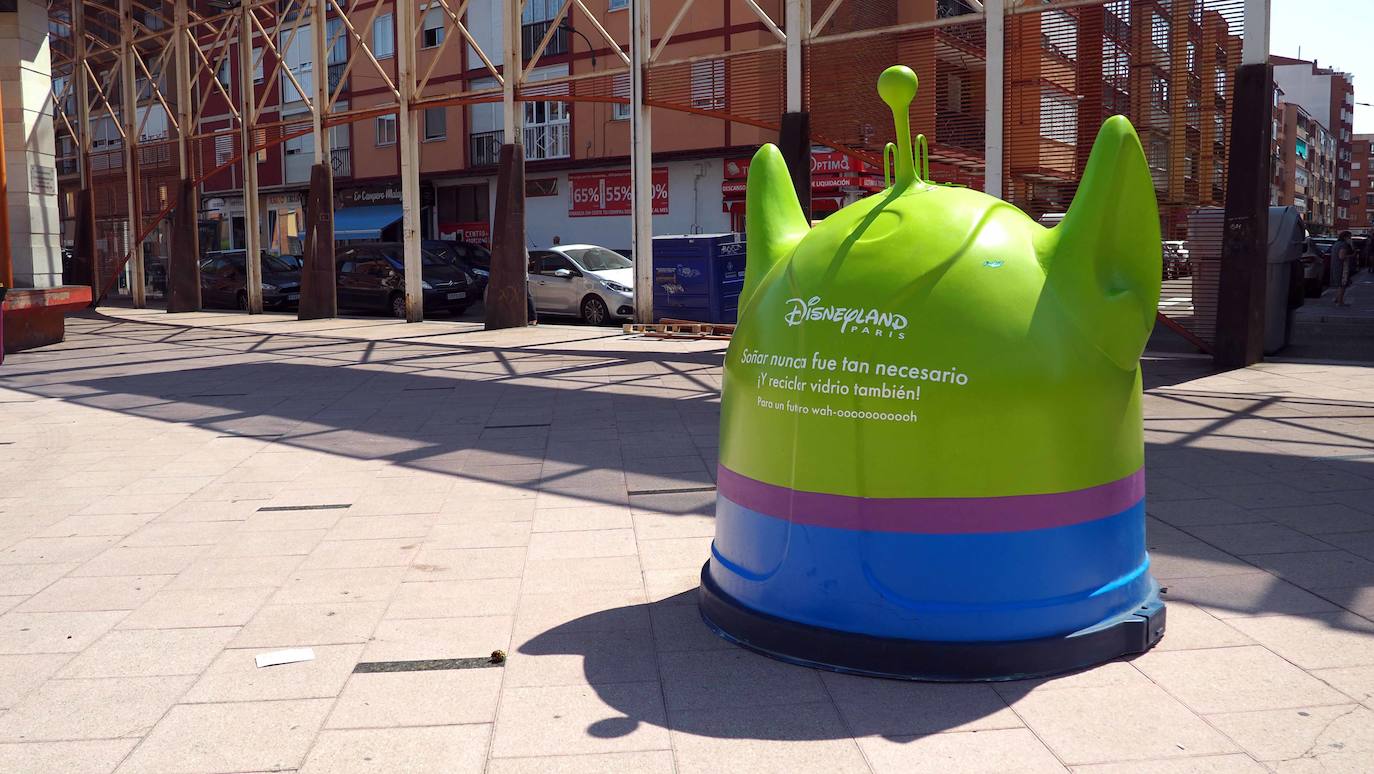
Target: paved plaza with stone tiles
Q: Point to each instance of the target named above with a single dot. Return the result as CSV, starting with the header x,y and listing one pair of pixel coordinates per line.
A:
x,y
179,494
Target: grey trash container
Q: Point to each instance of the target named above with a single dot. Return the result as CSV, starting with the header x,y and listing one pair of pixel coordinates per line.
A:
x,y
1286,235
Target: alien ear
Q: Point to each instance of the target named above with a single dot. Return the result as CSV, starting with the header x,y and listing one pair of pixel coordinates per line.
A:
x,y
774,222
1105,259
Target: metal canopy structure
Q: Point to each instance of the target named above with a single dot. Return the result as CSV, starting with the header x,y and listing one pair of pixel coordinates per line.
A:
x,y
144,93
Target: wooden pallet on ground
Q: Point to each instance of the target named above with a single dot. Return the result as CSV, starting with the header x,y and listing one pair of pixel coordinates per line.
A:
x,y
669,328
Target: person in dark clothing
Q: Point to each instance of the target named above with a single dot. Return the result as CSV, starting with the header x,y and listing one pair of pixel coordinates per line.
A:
x,y
1343,260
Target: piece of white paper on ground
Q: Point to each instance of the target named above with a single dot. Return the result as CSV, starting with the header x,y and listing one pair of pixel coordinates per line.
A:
x,y
285,657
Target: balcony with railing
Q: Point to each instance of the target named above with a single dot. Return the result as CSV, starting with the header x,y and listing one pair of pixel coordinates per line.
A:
x,y
484,148
336,74
547,141
532,34
341,160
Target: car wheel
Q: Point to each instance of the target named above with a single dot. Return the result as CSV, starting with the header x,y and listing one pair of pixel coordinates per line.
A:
x,y
398,306
242,301
594,311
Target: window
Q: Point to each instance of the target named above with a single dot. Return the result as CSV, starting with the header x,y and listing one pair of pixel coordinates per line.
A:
x,y
1159,30
708,85
1159,93
954,93
433,33
1059,34
436,123
222,75
620,88
1058,116
546,130
337,41
383,37
386,130
1159,162
536,11
1121,9
257,65
617,5
1192,56
224,148
551,262
1116,64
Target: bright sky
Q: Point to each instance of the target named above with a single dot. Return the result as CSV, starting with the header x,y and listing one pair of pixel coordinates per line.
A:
x,y
1338,34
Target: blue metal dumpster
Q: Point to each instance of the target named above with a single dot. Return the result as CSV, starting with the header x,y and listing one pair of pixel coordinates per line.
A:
x,y
698,276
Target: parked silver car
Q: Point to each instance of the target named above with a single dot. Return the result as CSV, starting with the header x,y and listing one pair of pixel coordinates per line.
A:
x,y
586,281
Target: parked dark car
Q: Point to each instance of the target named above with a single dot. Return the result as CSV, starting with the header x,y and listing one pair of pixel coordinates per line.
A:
x,y
471,258
371,277
222,275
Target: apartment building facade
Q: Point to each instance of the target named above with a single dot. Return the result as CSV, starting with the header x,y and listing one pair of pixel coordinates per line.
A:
x,y
1329,96
1166,65
1309,162
1362,184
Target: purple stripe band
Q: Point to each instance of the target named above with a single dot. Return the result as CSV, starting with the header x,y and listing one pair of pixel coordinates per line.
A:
x,y
933,515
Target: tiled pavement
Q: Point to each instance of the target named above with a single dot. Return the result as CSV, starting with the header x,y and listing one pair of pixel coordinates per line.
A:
x,y
546,492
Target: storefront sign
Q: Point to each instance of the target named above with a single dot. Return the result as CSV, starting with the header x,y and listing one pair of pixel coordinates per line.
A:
x,y
277,201
823,162
831,172
592,194
476,232
379,194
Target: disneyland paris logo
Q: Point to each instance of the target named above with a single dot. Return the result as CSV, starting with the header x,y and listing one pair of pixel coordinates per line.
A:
x,y
871,322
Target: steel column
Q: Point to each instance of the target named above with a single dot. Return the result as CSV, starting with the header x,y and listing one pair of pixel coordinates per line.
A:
x,y
797,20
318,284
994,16
1255,43
1243,280
129,98
183,257
319,29
641,162
83,97
252,229
508,286
85,207
408,138
510,74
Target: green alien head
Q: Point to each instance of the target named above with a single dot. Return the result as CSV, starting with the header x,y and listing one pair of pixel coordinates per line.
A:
x,y
1015,347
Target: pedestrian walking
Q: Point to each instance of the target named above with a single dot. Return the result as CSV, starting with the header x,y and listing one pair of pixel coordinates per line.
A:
x,y
1342,262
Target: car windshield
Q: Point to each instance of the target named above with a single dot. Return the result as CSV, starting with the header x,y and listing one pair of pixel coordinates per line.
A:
x,y
479,256
274,263
427,258
598,258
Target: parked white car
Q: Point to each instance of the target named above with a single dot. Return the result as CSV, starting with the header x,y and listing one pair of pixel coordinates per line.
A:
x,y
586,281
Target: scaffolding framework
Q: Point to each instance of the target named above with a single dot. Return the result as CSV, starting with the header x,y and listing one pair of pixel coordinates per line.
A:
x,y
991,71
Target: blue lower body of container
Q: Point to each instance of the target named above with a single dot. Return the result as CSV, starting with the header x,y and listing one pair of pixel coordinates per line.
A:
x,y
968,589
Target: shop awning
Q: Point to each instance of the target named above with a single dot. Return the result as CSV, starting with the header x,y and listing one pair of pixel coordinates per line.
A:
x,y
364,222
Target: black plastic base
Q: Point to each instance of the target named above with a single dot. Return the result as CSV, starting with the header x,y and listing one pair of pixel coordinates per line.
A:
x,y
927,660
